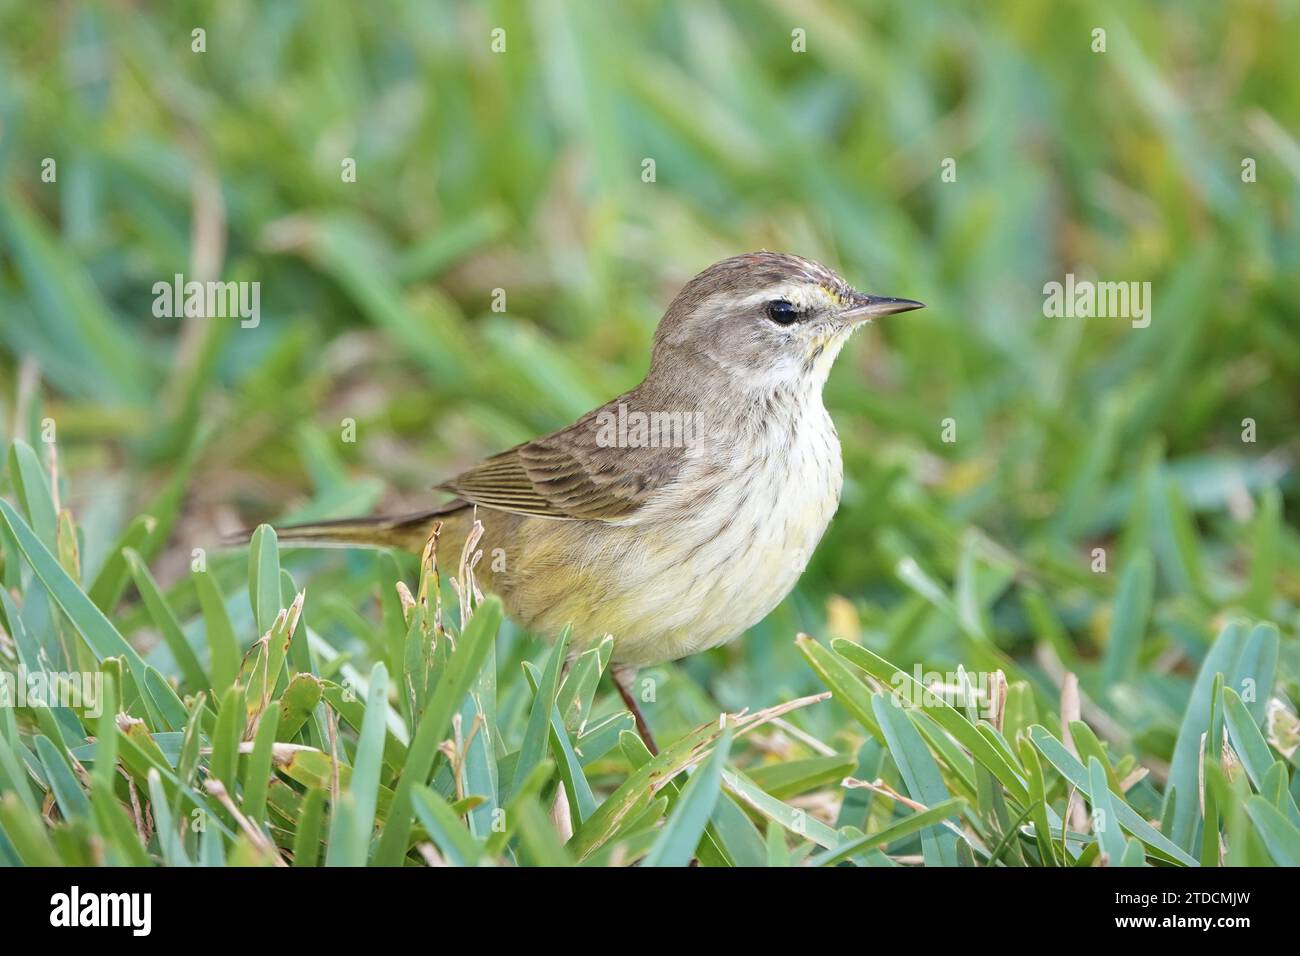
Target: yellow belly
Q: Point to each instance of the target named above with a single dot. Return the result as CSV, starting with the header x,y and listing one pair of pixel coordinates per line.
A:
x,y
695,574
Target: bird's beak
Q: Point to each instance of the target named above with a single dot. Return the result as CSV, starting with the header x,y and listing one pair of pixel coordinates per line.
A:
x,y
866,307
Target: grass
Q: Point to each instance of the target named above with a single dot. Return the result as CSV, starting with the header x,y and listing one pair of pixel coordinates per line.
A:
x,y
1107,552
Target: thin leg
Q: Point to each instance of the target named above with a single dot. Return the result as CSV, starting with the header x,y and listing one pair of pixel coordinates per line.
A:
x,y
623,678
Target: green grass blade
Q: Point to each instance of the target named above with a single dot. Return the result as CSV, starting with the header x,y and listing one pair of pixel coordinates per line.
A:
x,y
850,693
945,715
920,774
264,577
795,820
537,733
1280,836
369,758
1105,821
257,772
895,831
306,839
168,626
33,492
685,825
113,576
223,649
89,620
470,654
63,783
445,828
1074,772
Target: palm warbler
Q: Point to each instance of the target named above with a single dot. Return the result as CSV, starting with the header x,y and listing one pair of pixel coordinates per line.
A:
x,y
679,514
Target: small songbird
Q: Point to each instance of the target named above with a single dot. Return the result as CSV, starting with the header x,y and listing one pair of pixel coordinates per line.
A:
x,y
679,514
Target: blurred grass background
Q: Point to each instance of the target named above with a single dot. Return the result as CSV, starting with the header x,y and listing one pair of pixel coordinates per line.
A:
x,y
522,171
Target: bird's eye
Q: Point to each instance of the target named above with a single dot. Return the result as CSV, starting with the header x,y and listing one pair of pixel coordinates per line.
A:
x,y
782,312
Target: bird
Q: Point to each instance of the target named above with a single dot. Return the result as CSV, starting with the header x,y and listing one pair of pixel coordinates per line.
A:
x,y
679,514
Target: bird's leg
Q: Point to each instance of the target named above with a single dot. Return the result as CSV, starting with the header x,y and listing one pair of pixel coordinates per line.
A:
x,y
623,677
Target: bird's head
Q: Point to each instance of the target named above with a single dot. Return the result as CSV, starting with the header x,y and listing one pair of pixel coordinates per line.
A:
x,y
768,321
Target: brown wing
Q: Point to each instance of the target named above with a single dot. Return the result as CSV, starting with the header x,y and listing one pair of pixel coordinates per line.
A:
x,y
570,474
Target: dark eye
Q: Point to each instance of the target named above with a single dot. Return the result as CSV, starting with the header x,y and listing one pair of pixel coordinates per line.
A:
x,y
782,312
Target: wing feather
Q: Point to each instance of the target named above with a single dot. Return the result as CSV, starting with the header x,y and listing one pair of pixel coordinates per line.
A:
x,y
570,474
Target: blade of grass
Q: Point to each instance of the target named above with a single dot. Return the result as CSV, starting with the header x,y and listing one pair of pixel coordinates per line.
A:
x,y
920,775
471,651
949,718
890,834
1073,771
168,626
690,815
223,649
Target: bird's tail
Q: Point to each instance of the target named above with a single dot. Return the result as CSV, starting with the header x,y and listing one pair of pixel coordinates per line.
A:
x,y
407,532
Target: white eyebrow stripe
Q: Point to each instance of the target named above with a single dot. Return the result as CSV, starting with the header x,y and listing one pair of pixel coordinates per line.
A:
x,y
802,295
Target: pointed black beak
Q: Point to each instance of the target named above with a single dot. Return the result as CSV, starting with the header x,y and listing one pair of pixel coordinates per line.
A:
x,y
867,307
